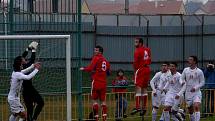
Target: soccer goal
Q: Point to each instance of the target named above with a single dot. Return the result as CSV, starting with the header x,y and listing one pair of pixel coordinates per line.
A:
x,y
53,81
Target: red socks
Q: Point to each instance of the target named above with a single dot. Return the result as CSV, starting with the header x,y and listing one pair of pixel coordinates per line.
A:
x,y
137,102
95,109
144,99
104,112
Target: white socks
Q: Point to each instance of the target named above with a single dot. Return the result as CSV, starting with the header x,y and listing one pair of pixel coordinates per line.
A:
x,y
166,116
154,114
162,116
197,116
21,119
12,118
192,117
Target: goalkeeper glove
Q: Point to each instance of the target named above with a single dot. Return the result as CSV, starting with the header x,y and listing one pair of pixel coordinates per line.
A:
x,y
33,45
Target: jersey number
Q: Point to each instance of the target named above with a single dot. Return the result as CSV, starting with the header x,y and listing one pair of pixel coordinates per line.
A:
x,y
146,55
104,66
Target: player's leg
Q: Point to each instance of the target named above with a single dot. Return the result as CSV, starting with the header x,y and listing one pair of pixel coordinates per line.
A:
x,y
17,110
12,117
191,110
95,104
169,102
189,102
196,106
175,110
166,111
137,100
137,82
162,102
102,96
155,104
146,77
28,100
144,97
154,113
39,104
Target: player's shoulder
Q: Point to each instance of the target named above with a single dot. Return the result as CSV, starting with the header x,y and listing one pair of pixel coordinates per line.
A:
x,y
158,73
186,69
178,74
16,74
199,70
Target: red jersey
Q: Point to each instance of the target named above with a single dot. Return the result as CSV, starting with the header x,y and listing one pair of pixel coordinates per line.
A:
x,y
99,67
120,81
142,57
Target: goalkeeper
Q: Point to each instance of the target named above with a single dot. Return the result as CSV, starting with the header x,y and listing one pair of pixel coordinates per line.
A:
x,y
32,99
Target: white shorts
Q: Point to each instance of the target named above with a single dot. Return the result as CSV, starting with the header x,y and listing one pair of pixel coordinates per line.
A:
x,y
16,106
159,99
192,97
171,101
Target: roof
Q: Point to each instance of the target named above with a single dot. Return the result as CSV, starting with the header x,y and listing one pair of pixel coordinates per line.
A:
x,y
192,7
162,7
144,7
106,8
209,7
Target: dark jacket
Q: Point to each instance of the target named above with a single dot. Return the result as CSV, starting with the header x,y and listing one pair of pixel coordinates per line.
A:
x,y
209,78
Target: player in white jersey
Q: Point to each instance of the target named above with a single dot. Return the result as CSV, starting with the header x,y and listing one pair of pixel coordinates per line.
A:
x,y
158,98
194,79
17,77
175,94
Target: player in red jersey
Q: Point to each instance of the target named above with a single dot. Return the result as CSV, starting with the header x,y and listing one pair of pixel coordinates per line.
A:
x,y
99,69
142,60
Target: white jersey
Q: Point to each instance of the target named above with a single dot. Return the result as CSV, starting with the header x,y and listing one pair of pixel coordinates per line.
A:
x,y
155,81
194,78
163,79
174,85
16,82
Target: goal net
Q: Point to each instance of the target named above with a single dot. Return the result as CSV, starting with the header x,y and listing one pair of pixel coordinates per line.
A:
x,y
53,81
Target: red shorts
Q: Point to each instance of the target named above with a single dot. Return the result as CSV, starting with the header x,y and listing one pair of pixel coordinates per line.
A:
x,y
142,77
98,91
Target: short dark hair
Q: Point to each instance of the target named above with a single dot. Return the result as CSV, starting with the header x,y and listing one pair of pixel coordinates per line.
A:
x,y
166,63
174,63
140,39
195,58
100,48
119,70
17,63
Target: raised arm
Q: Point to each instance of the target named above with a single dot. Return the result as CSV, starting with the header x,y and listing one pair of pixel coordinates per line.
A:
x,y
29,69
29,76
92,65
25,53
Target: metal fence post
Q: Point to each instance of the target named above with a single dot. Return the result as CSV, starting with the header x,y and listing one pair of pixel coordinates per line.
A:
x,y
79,58
11,20
202,41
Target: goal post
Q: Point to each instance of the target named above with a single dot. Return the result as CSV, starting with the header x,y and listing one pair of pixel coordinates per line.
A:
x,y
68,61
